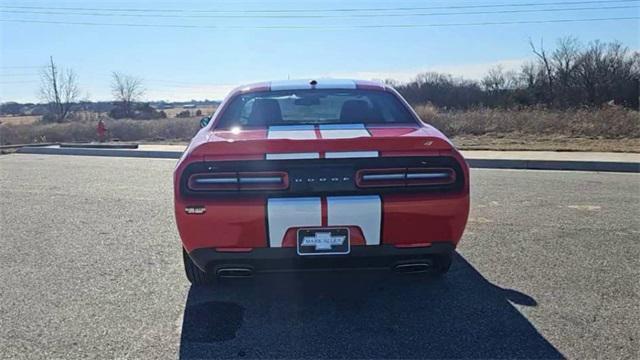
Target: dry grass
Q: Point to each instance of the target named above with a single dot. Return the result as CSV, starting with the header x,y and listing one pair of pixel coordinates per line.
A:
x,y
528,142
206,110
607,129
608,122
20,120
80,131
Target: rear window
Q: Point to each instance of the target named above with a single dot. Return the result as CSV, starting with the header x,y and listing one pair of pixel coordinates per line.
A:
x,y
305,107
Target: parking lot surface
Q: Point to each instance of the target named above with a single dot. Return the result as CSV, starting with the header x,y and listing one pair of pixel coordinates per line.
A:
x,y
90,266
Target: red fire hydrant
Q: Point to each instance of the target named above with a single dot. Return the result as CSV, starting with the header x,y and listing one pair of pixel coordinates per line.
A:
x,y
102,130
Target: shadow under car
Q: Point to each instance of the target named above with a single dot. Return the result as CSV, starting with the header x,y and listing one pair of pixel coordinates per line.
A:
x,y
360,315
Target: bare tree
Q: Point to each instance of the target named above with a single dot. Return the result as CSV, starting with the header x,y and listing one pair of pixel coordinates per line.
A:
x,y
497,79
59,89
127,90
529,73
494,80
546,65
565,57
565,62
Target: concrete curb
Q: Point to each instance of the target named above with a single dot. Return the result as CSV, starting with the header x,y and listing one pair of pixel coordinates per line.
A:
x,y
150,154
100,145
555,165
17,146
629,167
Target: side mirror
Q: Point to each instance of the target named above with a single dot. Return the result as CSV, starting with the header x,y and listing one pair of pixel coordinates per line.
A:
x,y
204,121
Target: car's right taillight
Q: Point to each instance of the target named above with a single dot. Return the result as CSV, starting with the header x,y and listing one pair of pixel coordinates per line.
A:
x,y
238,181
404,177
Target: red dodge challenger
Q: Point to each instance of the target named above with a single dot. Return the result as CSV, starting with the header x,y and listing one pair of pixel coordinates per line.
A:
x,y
327,174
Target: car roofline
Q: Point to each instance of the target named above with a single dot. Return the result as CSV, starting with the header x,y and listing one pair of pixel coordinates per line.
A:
x,y
309,84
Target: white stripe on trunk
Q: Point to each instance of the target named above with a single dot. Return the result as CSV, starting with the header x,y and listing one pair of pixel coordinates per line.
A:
x,y
362,211
292,156
292,132
306,84
350,154
343,131
285,213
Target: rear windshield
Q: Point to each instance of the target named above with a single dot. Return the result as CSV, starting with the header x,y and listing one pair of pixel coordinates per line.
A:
x,y
297,107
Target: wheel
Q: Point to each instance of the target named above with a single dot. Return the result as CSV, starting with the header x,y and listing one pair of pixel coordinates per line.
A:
x,y
194,274
442,263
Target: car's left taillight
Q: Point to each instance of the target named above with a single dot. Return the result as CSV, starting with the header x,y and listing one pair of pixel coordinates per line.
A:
x,y
238,181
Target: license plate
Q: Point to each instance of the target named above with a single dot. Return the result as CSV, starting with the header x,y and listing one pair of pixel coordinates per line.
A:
x,y
323,241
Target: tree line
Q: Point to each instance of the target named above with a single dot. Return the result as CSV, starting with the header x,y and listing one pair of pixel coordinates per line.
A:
x,y
569,75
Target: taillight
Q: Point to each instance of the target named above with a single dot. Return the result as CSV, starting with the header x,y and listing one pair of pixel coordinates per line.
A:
x,y
422,176
380,177
263,180
405,177
219,181
233,181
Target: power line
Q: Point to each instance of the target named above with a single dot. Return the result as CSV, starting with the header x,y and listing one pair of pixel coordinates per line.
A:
x,y
322,27
17,82
321,16
11,75
20,67
324,10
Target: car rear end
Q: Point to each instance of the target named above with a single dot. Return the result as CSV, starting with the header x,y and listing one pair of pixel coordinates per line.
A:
x,y
335,191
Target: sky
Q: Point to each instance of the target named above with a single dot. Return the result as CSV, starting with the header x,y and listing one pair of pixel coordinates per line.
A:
x,y
185,50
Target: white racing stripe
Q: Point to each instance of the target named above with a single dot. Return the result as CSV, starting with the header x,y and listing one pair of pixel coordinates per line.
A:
x,y
292,132
285,213
306,84
343,131
308,132
292,156
350,154
362,211
336,84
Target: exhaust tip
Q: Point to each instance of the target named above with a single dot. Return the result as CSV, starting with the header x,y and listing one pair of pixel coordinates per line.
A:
x,y
235,272
414,267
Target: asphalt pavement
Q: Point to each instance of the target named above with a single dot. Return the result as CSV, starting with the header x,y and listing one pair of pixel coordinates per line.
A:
x,y
90,267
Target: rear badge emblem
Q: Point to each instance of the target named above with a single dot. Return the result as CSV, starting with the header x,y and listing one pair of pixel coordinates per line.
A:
x,y
195,210
321,179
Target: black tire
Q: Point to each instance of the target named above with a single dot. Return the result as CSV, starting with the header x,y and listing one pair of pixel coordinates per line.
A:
x,y
442,263
194,274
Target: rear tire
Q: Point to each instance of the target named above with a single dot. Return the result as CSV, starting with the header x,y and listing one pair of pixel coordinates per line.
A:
x,y
194,274
442,263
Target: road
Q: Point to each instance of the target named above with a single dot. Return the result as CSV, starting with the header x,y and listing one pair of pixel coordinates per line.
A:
x,y
90,266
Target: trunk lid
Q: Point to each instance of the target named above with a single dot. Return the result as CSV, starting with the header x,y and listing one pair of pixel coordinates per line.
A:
x,y
309,139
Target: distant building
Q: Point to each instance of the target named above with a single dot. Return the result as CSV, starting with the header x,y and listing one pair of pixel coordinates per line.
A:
x,y
189,106
162,106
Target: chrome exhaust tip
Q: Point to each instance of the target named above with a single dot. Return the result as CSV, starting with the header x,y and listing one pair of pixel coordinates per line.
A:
x,y
414,267
235,272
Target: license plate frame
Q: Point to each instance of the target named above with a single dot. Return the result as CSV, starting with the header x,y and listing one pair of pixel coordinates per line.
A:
x,y
323,241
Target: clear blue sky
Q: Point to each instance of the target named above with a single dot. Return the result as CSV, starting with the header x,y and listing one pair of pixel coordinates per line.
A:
x,y
235,43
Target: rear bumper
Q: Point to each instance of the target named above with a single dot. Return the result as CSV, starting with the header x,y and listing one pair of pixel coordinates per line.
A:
x,y
287,259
